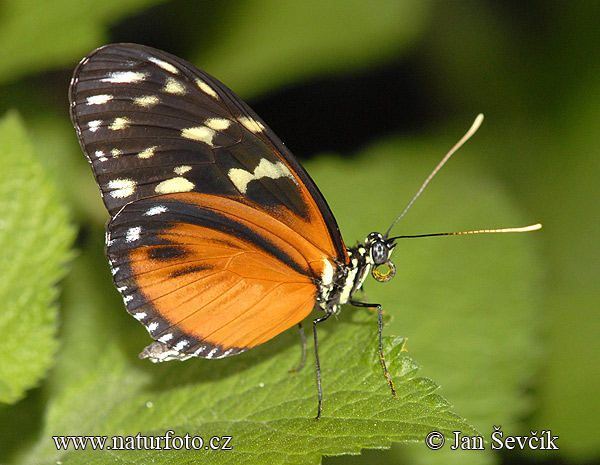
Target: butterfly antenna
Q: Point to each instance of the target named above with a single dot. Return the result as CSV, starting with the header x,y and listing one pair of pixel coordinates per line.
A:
x,y
533,227
473,129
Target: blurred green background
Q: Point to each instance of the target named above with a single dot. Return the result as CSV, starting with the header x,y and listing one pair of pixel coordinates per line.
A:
x,y
369,96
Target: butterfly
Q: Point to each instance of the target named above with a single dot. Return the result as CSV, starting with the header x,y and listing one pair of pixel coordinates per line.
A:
x,y
218,239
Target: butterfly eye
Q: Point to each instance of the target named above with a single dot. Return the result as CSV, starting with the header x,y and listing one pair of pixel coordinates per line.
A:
x,y
380,251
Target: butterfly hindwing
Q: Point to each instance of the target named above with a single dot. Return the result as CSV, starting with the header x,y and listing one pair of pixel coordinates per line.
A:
x,y
210,283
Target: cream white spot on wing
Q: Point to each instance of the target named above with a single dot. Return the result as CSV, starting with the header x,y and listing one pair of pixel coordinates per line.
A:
x,y
99,99
99,154
181,345
164,65
127,299
120,123
157,210
116,152
251,124
204,87
218,124
182,169
93,126
146,101
147,153
166,337
265,169
121,188
152,326
133,234
173,86
140,316
200,350
125,77
211,353
174,185
199,133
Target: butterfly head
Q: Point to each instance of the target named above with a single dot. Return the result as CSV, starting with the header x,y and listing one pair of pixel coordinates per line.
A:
x,y
380,248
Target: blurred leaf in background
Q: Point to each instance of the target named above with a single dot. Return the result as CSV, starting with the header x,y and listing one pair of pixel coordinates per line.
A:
x,y
36,236
505,324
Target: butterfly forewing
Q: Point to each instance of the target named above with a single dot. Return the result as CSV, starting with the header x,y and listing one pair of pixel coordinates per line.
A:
x,y
218,237
153,124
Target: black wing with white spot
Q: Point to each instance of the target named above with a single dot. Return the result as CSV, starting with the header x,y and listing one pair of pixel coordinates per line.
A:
x,y
153,124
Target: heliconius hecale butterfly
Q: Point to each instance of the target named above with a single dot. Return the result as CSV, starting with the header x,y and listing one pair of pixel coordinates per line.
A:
x,y
218,238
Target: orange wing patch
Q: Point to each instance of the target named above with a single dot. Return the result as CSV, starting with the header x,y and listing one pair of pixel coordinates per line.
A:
x,y
217,269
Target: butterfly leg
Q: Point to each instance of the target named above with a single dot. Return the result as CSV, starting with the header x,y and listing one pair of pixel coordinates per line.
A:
x,y
380,326
303,362
318,364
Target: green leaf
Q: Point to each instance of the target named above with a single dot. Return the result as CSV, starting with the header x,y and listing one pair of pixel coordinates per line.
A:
x,y
55,32
35,237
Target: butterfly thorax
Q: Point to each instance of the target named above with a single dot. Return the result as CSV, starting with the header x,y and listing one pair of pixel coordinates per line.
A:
x,y
349,278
